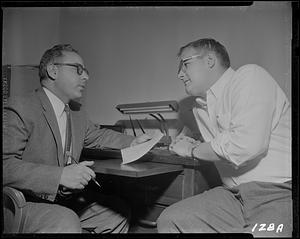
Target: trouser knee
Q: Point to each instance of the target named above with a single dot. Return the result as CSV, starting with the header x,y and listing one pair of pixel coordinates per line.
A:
x,y
67,221
168,216
176,218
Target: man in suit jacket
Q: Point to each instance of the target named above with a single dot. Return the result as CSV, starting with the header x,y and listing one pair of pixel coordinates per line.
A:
x,y
35,128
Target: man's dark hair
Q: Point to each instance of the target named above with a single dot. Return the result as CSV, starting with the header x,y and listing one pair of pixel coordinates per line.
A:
x,y
207,45
50,55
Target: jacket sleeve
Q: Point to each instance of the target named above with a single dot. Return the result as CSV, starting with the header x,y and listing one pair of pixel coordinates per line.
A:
x,y
100,138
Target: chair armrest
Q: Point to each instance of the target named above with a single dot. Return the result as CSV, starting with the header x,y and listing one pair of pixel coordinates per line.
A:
x,y
16,195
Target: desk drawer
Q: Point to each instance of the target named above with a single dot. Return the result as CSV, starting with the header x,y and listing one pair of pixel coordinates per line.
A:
x,y
167,191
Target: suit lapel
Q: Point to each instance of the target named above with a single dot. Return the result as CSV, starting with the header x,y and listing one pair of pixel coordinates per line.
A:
x,y
77,133
52,122
77,128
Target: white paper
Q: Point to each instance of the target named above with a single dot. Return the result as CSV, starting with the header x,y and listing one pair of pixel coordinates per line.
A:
x,y
133,153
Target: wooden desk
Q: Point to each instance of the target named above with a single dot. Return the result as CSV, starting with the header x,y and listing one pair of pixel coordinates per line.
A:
x,y
135,169
157,181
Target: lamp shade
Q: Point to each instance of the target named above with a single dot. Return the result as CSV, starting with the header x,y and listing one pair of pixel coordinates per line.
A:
x,y
148,107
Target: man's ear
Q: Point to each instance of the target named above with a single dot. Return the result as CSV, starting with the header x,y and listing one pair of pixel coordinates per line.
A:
x,y
211,60
52,71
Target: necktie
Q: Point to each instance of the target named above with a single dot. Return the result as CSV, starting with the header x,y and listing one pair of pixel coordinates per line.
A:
x,y
68,140
63,192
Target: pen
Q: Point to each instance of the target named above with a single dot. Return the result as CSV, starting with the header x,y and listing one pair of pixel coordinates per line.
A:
x,y
95,181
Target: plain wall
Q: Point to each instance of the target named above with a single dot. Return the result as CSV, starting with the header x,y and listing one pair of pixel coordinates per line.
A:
x,y
27,33
131,51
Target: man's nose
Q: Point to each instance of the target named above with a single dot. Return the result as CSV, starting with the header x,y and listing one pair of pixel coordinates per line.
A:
x,y
85,76
181,75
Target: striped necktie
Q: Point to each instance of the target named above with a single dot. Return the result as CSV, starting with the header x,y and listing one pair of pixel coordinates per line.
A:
x,y
68,140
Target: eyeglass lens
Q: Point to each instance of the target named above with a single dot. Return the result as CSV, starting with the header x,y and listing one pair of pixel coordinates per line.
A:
x,y
79,67
80,70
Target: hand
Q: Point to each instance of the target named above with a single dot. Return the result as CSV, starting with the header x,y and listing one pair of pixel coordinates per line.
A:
x,y
141,139
182,146
183,137
77,176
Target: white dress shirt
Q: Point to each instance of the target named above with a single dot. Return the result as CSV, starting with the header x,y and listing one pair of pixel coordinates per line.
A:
x,y
61,117
248,123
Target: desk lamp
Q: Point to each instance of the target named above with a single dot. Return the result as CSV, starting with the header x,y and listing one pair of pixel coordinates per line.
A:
x,y
154,109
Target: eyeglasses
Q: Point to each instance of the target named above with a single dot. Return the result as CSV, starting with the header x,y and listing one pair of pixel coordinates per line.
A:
x,y
183,63
79,67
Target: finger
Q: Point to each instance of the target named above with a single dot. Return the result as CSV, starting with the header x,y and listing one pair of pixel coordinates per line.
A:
x,y
86,176
148,138
178,140
183,138
89,171
175,140
83,179
186,139
84,182
87,163
178,137
82,185
191,140
144,138
151,133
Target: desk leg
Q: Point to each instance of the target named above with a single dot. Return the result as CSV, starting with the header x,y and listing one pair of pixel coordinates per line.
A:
x,y
193,183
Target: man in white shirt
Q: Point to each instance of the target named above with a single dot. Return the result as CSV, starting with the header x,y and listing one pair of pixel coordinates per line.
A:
x,y
245,120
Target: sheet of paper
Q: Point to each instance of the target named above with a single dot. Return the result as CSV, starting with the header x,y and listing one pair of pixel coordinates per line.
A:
x,y
133,153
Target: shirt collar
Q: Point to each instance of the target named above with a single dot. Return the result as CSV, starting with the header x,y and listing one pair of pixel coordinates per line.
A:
x,y
218,86
56,103
201,103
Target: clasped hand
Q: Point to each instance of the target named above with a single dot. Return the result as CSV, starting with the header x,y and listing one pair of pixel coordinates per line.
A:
x,y
182,145
77,176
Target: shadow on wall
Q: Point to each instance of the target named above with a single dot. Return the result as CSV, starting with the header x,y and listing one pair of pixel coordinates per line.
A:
x,y
149,124
187,118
